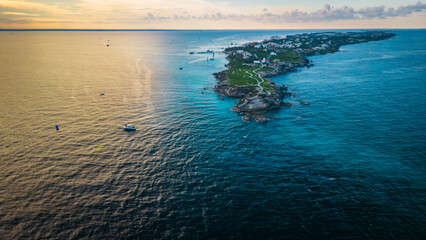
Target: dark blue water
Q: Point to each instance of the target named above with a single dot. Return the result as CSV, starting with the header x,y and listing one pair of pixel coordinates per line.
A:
x,y
351,165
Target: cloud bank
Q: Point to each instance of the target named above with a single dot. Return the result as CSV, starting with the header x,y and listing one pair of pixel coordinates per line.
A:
x,y
188,14
327,13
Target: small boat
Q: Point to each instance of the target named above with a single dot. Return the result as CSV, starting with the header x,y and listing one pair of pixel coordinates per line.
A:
x,y
180,68
191,52
129,128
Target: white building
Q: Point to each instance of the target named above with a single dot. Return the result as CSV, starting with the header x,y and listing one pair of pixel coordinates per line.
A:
x,y
246,54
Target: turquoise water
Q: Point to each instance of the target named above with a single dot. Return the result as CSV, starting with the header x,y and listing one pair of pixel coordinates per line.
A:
x,y
349,165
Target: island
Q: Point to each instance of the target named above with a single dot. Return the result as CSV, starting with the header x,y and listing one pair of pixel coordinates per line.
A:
x,y
252,64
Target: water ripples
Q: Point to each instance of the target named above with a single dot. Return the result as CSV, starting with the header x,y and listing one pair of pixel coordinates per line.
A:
x,y
193,169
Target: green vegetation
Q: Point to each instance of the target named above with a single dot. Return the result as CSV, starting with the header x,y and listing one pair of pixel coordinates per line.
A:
x,y
267,86
258,52
241,71
239,76
236,61
251,62
287,56
266,69
289,49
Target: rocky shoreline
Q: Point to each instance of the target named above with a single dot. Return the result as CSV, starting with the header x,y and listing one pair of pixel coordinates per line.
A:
x,y
254,101
254,105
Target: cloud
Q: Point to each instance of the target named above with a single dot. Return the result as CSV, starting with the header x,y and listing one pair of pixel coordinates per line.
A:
x,y
188,13
32,6
29,20
151,16
327,13
382,12
20,14
331,14
14,21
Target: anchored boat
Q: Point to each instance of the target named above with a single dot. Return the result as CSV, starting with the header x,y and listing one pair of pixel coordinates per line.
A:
x,y
129,128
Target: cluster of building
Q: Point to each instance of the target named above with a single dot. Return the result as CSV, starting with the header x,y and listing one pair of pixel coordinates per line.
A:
x,y
267,46
299,42
264,61
246,55
302,43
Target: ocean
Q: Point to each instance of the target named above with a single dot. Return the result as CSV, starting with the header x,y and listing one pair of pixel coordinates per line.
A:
x,y
351,165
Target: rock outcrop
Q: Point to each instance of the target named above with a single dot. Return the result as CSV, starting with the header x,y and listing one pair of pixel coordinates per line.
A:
x,y
235,91
252,102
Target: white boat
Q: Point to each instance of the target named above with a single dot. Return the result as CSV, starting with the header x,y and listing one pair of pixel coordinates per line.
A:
x,y
129,128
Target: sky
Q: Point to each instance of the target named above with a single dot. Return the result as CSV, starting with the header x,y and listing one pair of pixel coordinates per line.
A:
x,y
211,14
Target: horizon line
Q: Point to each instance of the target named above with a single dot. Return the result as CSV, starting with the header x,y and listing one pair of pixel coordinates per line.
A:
x,y
212,29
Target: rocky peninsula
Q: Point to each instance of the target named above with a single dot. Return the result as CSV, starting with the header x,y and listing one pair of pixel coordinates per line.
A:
x,y
251,64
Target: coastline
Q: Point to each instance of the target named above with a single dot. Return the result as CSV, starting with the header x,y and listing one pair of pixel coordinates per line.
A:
x,y
247,77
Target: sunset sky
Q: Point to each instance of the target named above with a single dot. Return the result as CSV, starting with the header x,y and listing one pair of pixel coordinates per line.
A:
x,y
211,14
